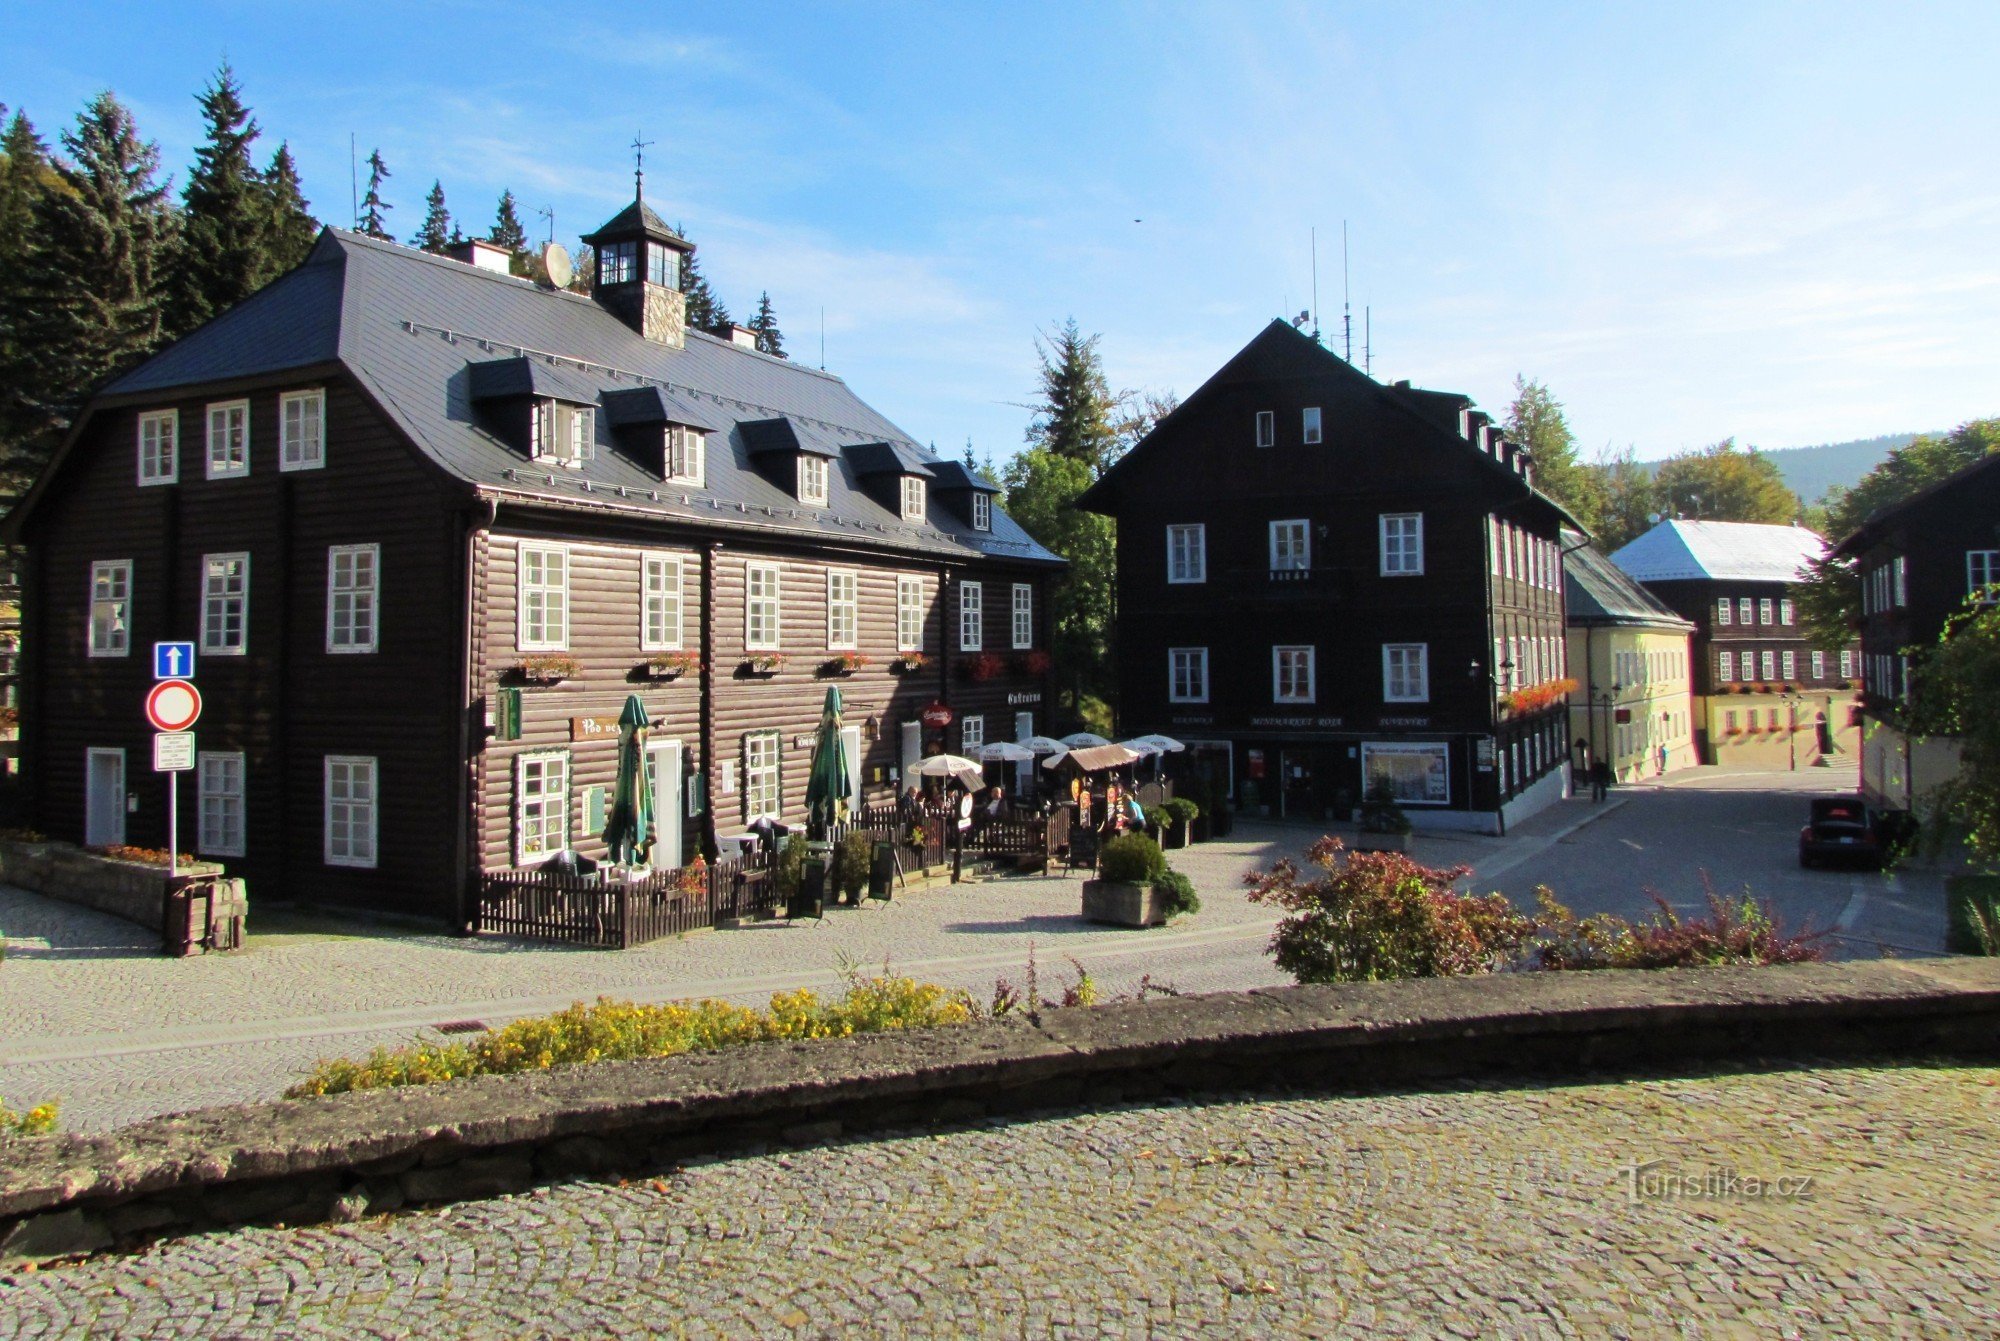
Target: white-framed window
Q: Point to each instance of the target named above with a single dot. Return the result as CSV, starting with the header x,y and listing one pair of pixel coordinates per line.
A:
x,y
220,829
1767,663
1292,674
1764,610
1187,674
1722,612
909,614
812,479
544,599
1406,673
843,609
913,498
350,810
1785,610
541,805
1819,665
761,793
660,622
302,430
1982,570
971,733
1899,569
687,455
1402,544
1291,546
1187,553
159,447
1743,610
1789,663
971,617
1493,547
1725,667
760,607
353,597
228,439
982,511
111,608
225,604
1024,615
1267,428
563,433
1311,425
1847,665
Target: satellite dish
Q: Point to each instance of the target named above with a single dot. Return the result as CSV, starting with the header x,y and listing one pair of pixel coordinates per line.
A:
x,y
556,265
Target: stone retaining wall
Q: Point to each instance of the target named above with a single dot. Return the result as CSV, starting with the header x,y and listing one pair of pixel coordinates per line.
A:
x,y
133,890
343,1156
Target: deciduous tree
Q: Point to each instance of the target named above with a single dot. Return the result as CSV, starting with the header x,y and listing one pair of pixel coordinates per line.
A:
x,y
1958,695
1536,421
1726,483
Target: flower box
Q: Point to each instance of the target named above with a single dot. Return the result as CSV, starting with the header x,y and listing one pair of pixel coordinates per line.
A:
x,y
910,662
672,665
843,663
1535,697
1122,904
553,668
764,663
982,666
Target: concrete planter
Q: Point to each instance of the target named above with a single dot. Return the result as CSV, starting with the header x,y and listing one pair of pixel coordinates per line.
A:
x,y
1122,905
133,890
1380,842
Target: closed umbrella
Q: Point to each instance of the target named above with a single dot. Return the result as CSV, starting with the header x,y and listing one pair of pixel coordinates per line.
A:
x,y
828,791
628,829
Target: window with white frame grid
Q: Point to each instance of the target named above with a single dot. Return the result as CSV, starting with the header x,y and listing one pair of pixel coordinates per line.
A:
x,y
541,805
580,439
1291,546
761,795
225,604
159,447
1767,662
843,609
1187,674
302,430
812,479
1722,611
1764,610
111,608
660,627
1310,427
1187,553
1267,428
1743,610
1847,665
228,439
760,607
1406,673
909,614
1819,665
971,734
913,498
544,598
350,810
1789,665
220,829
1402,544
1024,615
687,451
1292,674
353,595
971,617
982,511
1982,570
1785,610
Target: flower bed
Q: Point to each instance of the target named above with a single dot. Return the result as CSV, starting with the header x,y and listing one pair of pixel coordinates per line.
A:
x,y
109,883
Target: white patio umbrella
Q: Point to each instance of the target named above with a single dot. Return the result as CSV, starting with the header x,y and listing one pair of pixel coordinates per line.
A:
x,y
1155,744
1141,746
1005,752
966,772
1078,740
1043,745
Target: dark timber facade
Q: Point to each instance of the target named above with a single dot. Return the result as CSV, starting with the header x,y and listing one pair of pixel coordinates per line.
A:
x,y
1324,582
429,526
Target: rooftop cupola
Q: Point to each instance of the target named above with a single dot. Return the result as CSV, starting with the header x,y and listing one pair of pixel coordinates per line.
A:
x,y
639,271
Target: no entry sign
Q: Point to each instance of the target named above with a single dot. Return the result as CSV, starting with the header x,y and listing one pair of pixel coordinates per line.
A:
x,y
173,705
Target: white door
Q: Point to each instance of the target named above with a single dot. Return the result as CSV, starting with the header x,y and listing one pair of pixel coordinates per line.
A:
x,y
104,799
1024,772
850,744
669,803
913,748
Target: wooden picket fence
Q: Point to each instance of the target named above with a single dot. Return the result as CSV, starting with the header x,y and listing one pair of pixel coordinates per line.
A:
x,y
606,911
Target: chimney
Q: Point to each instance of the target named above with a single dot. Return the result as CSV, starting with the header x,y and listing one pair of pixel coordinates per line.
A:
x,y
742,336
481,255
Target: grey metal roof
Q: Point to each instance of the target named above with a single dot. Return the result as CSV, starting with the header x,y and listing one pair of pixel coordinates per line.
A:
x,y
764,436
953,475
636,218
498,378
1597,591
890,458
657,405
1677,551
410,326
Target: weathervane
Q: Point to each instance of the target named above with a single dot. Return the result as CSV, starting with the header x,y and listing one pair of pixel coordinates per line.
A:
x,y
639,148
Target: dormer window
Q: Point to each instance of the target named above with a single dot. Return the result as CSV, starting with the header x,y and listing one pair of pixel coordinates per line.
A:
x,y
812,480
618,263
561,433
913,498
982,513
686,457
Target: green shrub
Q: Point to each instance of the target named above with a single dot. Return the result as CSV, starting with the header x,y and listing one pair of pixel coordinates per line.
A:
x,y
1176,891
1131,859
851,859
790,870
37,1121
1380,813
1974,928
1180,810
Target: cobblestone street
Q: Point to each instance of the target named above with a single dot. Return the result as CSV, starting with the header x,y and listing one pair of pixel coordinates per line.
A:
x,y
1470,1211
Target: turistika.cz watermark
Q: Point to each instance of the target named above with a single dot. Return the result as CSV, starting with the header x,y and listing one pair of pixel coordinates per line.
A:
x,y
1655,1181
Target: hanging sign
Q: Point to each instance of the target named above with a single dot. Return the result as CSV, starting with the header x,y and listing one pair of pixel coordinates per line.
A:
x,y
937,716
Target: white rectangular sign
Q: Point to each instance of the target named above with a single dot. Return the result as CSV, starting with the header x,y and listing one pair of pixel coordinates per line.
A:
x,y
173,751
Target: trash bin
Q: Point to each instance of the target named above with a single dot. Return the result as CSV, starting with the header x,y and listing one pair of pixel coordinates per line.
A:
x,y
184,919
881,869
811,899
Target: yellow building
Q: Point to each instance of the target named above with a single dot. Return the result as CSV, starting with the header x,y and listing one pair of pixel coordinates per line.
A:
x,y
1629,657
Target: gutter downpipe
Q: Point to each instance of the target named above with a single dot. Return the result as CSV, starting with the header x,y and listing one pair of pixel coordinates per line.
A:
x,y
474,524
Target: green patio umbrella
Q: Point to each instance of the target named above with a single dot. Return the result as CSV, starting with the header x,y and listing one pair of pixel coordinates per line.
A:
x,y
628,829
827,789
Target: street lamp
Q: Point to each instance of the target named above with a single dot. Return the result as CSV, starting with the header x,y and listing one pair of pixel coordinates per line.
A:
x,y
1477,671
1605,699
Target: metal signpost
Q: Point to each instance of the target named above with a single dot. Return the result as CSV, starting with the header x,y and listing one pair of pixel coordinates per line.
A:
x,y
172,706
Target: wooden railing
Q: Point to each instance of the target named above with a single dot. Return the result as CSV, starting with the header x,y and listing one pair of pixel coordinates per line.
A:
x,y
608,911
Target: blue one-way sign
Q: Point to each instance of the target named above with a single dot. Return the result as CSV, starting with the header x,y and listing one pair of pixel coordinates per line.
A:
x,y
173,661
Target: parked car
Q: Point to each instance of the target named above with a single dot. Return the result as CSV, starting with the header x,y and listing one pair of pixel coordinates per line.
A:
x,y
1841,829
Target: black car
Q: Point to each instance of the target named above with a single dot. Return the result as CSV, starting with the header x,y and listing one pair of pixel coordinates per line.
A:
x,y
1841,829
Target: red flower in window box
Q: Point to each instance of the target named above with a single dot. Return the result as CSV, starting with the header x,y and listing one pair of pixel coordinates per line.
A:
x,y
1032,663
843,663
671,665
982,666
1538,696
910,662
549,668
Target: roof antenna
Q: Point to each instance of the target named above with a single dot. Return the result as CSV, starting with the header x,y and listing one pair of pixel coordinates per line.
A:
x,y
639,148
1314,234
1346,309
353,184
548,212
1368,340
822,337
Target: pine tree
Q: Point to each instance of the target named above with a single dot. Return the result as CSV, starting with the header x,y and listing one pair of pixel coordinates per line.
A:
x,y
373,207
704,310
507,232
292,226
225,218
1075,417
26,176
92,281
436,234
765,324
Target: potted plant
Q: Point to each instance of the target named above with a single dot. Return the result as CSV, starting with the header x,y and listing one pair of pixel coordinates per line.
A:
x,y
1122,894
1179,814
843,663
548,668
909,662
1384,826
672,665
764,663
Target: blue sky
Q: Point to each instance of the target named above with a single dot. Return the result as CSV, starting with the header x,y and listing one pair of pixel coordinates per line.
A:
x,y
1771,221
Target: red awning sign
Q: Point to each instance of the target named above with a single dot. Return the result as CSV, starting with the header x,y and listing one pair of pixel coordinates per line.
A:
x,y
937,716
173,705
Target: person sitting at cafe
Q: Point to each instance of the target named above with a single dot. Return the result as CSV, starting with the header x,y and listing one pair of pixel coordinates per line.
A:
x,y
996,805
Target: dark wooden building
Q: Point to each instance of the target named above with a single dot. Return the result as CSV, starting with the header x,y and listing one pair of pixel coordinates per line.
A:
x,y
1919,562
1324,581
430,524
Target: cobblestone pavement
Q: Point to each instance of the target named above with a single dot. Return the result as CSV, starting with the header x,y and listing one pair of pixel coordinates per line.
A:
x,y
1604,1208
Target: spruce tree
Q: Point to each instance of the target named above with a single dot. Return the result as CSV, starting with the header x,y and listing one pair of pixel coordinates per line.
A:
x,y
1075,417
436,233
373,207
704,309
507,232
769,339
292,226
223,254
26,176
